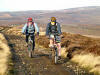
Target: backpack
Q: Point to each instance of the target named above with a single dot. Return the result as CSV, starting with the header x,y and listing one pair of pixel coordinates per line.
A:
x,y
31,24
30,29
53,28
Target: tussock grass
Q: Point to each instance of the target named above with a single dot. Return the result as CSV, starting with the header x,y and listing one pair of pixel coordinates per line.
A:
x,y
4,55
15,30
88,61
63,52
2,38
1,28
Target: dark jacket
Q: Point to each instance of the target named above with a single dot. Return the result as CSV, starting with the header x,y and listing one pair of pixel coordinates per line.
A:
x,y
58,29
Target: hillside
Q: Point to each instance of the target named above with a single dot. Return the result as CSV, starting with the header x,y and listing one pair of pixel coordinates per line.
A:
x,y
77,52
92,30
74,16
80,49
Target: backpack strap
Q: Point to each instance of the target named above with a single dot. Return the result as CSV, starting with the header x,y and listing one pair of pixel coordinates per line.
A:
x,y
53,25
31,24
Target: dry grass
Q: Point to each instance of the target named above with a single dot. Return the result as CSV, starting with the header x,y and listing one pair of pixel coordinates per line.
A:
x,y
83,50
4,53
1,28
88,61
42,33
15,30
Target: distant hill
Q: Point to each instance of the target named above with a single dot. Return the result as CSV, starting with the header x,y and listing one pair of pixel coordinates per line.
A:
x,y
73,16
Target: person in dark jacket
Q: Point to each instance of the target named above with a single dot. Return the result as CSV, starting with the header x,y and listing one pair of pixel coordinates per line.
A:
x,y
53,29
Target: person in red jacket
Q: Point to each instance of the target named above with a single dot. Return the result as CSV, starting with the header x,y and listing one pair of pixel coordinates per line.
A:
x,y
29,29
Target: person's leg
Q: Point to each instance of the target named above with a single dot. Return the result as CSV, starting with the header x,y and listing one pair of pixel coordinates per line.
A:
x,y
33,39
59,49
51,42
27,38
58,40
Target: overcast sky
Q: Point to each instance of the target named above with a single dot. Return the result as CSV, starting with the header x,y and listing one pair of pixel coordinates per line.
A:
x,y
20,5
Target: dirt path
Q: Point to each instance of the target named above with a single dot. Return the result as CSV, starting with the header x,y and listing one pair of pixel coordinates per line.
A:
x,y
41,64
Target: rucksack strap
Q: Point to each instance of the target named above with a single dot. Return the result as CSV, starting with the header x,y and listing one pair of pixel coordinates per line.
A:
x,y
53,28
31,24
